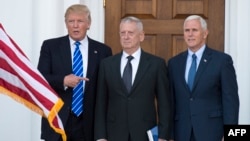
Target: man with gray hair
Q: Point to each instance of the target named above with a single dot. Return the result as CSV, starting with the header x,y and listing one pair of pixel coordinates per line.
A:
x,y
131,85
204,87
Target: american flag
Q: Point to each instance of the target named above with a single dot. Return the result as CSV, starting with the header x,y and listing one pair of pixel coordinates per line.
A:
x,y
20,80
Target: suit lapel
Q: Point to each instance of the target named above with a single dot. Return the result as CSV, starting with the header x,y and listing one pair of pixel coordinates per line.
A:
x,y
65,50
183,62
92,60
206,58
142,69
116,71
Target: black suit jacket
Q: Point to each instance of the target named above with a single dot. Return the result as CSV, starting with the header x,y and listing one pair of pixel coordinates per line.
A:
x,y
119,113
212,103
55,63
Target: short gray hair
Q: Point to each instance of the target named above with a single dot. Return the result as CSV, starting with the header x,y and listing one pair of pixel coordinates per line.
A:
x,y
196,17
135,20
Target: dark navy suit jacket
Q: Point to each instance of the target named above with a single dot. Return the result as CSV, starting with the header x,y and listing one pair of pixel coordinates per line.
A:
x,y
55,63
212,103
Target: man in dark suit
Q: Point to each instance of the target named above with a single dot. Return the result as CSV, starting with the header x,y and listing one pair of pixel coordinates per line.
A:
x,y
125,113
203,104
55,63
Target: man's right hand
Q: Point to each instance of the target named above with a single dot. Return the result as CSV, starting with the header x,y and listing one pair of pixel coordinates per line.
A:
x,y
71,80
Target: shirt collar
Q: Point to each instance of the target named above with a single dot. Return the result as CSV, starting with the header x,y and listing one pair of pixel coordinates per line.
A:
x,y
136,54
198,53
83,41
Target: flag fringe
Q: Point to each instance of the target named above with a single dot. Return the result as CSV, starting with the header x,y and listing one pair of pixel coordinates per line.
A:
x,y
22,101
52,115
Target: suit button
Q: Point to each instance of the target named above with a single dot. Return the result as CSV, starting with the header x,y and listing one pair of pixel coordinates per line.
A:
x,y
191,99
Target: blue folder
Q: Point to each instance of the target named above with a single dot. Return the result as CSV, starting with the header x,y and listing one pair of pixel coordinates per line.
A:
x,y
153,134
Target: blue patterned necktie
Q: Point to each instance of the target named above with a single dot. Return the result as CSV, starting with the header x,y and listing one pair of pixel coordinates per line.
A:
x,y
77,100
127,74
192,72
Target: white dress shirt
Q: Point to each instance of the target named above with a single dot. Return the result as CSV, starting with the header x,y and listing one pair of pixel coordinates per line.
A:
x,y
84,47
134,62
198,53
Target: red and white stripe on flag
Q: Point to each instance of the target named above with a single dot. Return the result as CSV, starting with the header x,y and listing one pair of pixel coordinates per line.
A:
x,y
20,80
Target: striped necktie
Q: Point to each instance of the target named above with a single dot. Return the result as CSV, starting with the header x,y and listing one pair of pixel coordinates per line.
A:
x,y
77,100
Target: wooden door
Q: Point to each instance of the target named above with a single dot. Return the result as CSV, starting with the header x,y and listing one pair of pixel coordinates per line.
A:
x,y
163,23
